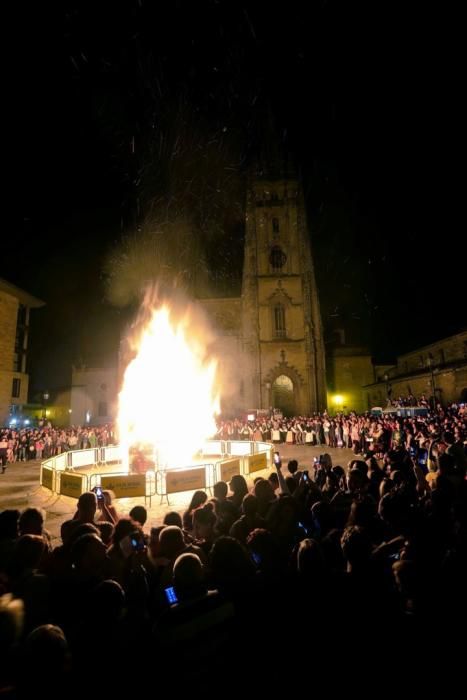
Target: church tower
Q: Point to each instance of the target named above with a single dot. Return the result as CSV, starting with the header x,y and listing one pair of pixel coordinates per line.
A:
x,y
281,324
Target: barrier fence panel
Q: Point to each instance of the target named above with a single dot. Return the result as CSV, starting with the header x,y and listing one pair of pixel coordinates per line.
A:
x,y
226,469
185,479
61,461
267,448
246,457
238,448
47,477
48,463
83,458
111,453
150,486
200,476
71,484
125,485
255,463
213,447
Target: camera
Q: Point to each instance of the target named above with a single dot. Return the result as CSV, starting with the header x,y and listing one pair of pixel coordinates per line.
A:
x,y
277,458
171,595
256,558
305,476
99,493
317,460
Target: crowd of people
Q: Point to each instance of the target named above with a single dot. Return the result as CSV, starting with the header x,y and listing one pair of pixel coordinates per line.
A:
x,y
356,431
363,565
47,441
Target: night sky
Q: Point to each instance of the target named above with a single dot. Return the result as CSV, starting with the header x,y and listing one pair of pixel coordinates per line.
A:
x,y
366,96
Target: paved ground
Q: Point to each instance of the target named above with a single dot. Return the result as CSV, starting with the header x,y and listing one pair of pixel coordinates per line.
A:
x,y
19,488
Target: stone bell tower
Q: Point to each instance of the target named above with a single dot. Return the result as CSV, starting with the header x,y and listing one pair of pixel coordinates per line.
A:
x,y
281,323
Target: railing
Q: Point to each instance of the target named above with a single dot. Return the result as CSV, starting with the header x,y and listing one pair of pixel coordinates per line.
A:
x,y
61,474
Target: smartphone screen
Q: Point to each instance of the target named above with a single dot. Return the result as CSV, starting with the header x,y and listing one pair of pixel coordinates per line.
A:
x,y
171,595
422,457
138,543
277,458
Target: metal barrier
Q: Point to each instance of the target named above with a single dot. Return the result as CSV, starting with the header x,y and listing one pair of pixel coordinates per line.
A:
x,y
260,447
213,447
227,468
112,453
83,458
126,485
239,448
71,484
190,478
242,460
61,461
48,476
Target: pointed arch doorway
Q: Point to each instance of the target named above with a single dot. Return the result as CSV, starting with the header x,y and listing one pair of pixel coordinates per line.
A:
x,y
283,395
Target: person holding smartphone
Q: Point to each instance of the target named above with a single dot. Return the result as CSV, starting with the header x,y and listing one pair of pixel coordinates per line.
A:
x,y
105,512
282,483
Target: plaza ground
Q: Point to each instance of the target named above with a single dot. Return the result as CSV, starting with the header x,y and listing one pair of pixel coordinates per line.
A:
x,y
20,488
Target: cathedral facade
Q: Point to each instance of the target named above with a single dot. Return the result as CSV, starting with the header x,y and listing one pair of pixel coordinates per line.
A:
x,y
269,341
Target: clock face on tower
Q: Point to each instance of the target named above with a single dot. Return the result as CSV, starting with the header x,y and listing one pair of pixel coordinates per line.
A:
x,y
277,258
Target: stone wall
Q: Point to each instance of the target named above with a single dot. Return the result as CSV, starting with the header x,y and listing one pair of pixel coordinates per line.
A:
x,y
8,318
348,372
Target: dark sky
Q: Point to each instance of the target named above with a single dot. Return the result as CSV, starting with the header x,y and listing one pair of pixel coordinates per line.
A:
x,y
367,95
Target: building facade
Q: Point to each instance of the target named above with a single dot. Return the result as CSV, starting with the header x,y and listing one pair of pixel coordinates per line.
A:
x,y
349,369
15,307
270,340
439,371
93,395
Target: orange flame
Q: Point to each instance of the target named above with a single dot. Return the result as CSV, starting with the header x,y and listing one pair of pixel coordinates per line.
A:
x,y
168,399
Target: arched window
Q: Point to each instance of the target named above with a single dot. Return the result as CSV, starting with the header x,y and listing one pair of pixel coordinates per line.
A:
x,y
279,321
275,227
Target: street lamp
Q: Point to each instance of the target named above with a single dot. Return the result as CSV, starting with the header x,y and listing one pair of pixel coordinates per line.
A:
x,y
45,398
338,402
429,362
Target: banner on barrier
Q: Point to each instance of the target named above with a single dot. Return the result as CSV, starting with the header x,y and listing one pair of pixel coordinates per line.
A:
x,y
229,468
185,480
256,463
125,485
47,476
71,484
